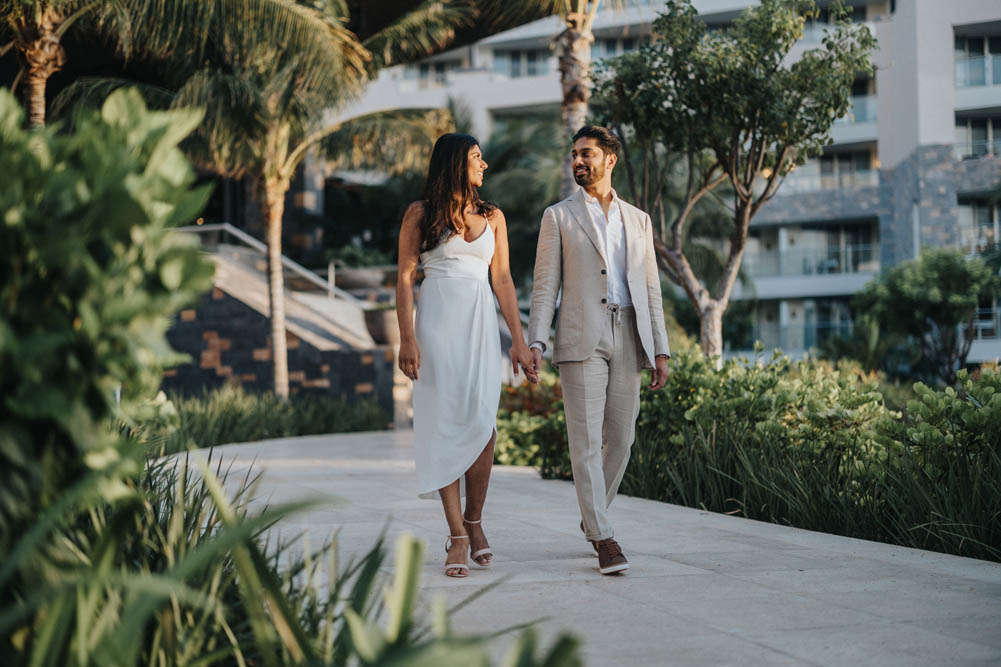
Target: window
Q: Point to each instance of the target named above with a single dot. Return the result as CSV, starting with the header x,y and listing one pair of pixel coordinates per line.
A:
x,y
521,63
977,227
978,61
978,137
429,75
532,63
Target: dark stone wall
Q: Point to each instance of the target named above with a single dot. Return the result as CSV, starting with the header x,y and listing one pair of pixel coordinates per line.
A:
x,y
858,203
230,342
930,183
927,185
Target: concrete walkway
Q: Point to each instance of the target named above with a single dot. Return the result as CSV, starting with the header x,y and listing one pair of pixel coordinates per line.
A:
x,y
704,588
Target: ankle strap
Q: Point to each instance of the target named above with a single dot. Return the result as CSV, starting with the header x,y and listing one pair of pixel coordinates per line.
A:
x,y
458,537
472,523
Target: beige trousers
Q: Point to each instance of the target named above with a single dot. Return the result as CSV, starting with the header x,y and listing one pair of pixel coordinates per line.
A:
x,y
601,400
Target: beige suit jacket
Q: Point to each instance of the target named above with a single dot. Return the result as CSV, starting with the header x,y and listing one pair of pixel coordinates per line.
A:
x,y
570,256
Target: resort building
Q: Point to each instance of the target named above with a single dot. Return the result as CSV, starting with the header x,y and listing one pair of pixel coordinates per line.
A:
x,y
917,163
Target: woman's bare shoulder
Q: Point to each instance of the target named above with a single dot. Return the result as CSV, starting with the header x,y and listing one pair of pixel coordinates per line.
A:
x,y
414,212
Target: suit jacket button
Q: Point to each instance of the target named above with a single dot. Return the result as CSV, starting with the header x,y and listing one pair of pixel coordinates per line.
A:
x,y
604,300
603,272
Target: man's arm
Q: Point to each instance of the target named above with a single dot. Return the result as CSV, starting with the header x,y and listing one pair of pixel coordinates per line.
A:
x,y
654,296
547,279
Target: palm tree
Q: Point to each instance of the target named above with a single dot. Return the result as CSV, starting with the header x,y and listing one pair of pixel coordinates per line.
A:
x,y
35,29
573,53
267,89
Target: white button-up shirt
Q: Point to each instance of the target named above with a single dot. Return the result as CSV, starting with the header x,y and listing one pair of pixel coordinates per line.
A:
x,y
612,235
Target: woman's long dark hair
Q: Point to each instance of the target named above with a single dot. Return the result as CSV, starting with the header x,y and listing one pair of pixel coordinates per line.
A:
x,y
447,190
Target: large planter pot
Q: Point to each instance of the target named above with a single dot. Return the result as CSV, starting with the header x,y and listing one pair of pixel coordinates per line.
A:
x,y
383,326
359,278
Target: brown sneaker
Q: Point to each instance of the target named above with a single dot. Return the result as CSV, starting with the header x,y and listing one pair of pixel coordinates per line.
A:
x,y
610,558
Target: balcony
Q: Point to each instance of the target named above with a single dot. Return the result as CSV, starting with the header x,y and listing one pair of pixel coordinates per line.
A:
x,y
799,182
795,338
851,259
797,274
978,71
986,345
974,150
863,111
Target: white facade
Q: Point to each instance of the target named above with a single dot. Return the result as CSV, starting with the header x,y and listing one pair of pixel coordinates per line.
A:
x,y
871,201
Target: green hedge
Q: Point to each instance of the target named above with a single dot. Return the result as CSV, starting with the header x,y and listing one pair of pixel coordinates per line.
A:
x,y
805,444
230,414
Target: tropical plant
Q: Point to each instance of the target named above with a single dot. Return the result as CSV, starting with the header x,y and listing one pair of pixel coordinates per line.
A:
x,y
90,273
35,29
731,108
933,300
230,414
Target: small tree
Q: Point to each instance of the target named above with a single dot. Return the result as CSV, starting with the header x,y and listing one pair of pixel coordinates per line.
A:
x,y
731,108
933,300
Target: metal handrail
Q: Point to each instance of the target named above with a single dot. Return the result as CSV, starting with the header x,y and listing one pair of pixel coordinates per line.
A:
x,y
294,267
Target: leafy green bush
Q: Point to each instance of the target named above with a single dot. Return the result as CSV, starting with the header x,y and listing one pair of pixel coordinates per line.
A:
x,y
531,428
813,445
89,276
943,492
230,414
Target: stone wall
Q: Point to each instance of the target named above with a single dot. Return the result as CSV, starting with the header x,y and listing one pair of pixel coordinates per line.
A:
x,y
834,205
921,195
230,342
924,191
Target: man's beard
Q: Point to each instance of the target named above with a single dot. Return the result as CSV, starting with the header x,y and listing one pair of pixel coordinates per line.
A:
x,y
590,177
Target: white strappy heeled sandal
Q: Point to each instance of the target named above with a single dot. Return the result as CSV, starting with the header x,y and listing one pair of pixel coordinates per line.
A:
x,y
462,567
482,552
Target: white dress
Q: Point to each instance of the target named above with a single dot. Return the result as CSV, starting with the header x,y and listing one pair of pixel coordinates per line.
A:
x,y
458,387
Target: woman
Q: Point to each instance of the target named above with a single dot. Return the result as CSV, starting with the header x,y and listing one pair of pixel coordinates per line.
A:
x,y
453,355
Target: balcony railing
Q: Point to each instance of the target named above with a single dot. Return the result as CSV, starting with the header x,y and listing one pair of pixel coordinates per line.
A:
x,y
852,259
973,150
987,325
863,111
978,71
798,182
795,336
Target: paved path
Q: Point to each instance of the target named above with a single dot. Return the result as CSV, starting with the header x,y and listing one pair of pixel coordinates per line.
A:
x,y
704,588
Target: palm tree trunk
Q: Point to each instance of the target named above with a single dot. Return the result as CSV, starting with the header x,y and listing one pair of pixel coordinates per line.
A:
x,y
274,207
39,43
573,49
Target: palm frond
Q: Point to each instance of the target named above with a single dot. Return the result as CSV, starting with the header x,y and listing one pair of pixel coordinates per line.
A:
x,y
428,28
231,137
252,35
90,92
394,141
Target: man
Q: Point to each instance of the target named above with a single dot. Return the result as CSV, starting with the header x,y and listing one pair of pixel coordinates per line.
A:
x,y
599,250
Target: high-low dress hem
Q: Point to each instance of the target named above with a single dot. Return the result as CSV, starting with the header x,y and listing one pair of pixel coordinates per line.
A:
x,y
432,494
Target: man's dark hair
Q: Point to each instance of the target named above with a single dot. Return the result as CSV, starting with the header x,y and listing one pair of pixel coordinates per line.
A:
x,y
606,138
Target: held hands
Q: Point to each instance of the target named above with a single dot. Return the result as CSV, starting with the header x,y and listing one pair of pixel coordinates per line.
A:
x,y
410,358
658,376
522,356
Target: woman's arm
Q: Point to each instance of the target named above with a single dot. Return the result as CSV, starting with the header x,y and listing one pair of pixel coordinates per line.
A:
x,y
409,256
507,298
